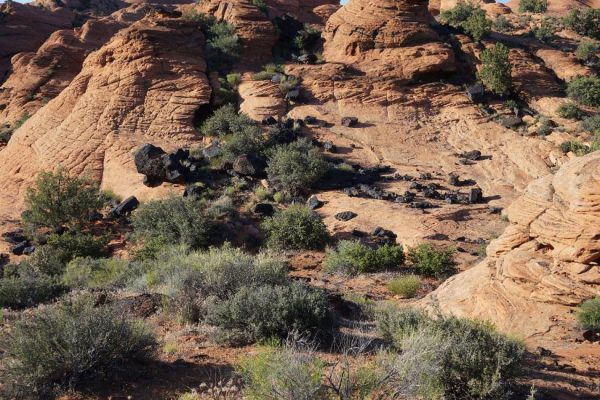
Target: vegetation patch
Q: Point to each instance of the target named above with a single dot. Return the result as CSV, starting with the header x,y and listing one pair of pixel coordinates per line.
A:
x,y
296,228
352,257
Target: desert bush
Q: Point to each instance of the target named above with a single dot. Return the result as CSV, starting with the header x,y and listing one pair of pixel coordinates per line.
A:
x,y
533,6
173,220
352,257
288,83
93,273
226,121
570,110
262,6
405,286
262,312
228,88
248,141
28,290
296,166
591,124
587,53
269,70
546,30
585,22
276,373
472,19
502,24
450,358
52,257
427,260
495,71
64,346
296,227
58,199
585,90
393,323
222,43
574,146
588,315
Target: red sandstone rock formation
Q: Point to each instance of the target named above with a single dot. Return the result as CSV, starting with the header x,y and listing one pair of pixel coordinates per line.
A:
x,y
389,38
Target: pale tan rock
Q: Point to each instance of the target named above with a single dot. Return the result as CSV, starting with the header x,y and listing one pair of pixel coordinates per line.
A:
x,y
564,65
261,99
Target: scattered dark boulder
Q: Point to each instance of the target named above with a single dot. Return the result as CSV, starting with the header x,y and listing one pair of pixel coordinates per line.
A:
x,y
269,121
407,197
264,209
307,58
148,161
349,121
125,207
212,150
358,233
277,77
425,175
313,202
422,205
18,249
510,121
475,196
14,237
345,215
28,250
310,120
476,93
293,94
591,335
158,166
472,155
453,179
329,146
249,165
495,209
543,352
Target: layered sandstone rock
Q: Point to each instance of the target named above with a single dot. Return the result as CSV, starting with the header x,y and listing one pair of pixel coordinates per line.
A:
x,y
388,38
310,11
256,31
560,7
543,264
261,99
145,85
564,65
25,28
531,78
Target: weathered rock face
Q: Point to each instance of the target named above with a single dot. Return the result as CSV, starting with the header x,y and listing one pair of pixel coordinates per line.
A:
x,y
560,7
261,99
256,31
545,261
388,38
25,28
565,66
532,79
37,77
310,11
143,86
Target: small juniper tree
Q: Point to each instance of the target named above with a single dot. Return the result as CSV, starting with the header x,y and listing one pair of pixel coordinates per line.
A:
x,y
495,71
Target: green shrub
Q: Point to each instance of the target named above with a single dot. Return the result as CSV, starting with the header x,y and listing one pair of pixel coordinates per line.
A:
x,y
472,19
585,22
585,90
427,260
27,290
588,315
263,312
288,83
502,24
58,199
393,323
173,220
92,273
52,257
249,141
533,6
451,358
352,257
282,373
222,43
189,278
405,286
296,227
547,29
226,121
587,53
228,88
66,345
269,70
574,146
296,166
495,71
570,111
591,124
262,6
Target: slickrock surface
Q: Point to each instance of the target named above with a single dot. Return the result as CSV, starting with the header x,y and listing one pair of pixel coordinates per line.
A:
x,y
565,66
388,38
261,99
543,264
25,28
143,86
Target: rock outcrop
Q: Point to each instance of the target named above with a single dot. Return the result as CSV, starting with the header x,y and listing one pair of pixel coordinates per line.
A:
x,y
261,99
144,86
543,264
386,38
560,7
23,28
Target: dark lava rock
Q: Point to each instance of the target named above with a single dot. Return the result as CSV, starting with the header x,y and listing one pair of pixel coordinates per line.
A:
x,y
212,150
28,250
313,202
269,121
543,352
329,146
14,237
422,205
19,248
264,209
125,207
349,121
453,179
249,165
148,161
495,209
345,215
475,196
293,94
592,336
476,93
510,121
472,155
310,120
